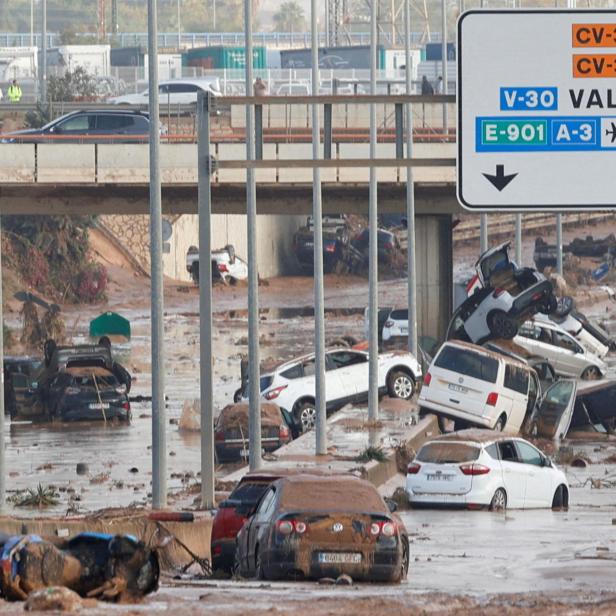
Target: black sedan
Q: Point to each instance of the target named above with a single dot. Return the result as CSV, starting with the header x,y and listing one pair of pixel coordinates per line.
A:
x,y
309,526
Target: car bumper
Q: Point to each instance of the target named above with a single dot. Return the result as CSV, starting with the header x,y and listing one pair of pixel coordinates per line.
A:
x,y
456,413
382,565
231,452
478,497
223,554
84,413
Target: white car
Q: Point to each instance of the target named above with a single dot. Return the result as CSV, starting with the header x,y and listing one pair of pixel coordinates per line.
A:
x,y
478,387
563,351
478,469
292,385
503,296
397,324
226,265
174,92
572,325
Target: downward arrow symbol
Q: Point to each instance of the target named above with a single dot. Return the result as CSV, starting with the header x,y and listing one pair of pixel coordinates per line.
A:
x,y
500,180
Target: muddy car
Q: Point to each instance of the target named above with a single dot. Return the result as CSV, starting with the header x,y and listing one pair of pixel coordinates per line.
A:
x,y
504,297
312,527
19,372
231,431
388,246
335,243
231,515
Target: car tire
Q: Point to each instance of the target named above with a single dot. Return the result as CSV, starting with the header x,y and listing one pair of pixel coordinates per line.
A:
x,y
499,426
560,500
400,385
406,557
306,415
194,272
501,326
592,373
550,306
237,395
499,500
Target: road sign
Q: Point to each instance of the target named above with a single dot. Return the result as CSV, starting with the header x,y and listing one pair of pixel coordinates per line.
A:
x,y
537,109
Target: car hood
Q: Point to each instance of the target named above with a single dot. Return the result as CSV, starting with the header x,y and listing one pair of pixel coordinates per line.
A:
x,y
25,131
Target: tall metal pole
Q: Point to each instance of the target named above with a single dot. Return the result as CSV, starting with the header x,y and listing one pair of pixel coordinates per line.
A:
x,y
43,65
373,273
327,24
214,18
483,233
31,23
205,303
179,26
2,454
254,423
317,217
444,63
159,436
559,244
518,239
410,190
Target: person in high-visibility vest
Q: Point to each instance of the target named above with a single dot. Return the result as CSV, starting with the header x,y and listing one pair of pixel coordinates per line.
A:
x,y
14,92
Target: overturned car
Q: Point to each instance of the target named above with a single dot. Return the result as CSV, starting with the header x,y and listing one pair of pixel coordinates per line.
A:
x,y
502,296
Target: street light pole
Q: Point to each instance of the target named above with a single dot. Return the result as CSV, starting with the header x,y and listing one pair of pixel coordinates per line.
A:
x,y
179,27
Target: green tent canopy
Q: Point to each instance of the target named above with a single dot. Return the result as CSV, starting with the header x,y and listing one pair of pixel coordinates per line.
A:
x,y
110,324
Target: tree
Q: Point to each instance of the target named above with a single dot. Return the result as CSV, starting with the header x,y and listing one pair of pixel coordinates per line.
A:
x,y
289,17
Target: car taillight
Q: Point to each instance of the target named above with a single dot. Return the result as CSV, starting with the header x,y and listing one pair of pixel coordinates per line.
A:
x,y
413,468
272,394
330,247
286,527
284,432
474,469
498,292
537,296
492,399
219,435
387,529
473,281
222,267
427,379
126,406
389,323
72,391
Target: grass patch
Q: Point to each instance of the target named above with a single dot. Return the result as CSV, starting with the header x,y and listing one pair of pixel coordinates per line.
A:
x,y
372,453
38,497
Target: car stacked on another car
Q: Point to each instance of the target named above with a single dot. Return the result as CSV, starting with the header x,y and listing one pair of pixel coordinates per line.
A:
x,y
502,296
308,526
292,384
478,469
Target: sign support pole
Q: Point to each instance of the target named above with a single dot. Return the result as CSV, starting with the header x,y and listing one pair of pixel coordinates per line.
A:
x,y
559,244
2,419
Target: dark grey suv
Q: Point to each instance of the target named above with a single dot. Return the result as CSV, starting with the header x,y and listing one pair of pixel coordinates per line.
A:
x,y
88,126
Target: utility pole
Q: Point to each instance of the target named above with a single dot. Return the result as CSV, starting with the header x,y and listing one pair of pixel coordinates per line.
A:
x,y
159,421
43,62
179,26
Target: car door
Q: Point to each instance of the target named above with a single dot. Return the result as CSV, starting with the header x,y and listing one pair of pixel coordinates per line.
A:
x,y
259,525
514,474
351,368
75,129
336,387
113,127
571,360
553,415
538,476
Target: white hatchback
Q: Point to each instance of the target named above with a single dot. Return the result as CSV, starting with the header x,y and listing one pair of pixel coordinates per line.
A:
x,y
478,469
292,385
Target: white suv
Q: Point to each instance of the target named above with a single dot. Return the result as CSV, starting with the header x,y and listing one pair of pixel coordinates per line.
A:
x,y
174,92
292,385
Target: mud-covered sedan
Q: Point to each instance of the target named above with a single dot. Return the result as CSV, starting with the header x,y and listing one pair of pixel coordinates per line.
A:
x,y
309,526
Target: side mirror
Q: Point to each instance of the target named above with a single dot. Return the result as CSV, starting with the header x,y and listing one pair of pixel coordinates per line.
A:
x,y
391,505
546,462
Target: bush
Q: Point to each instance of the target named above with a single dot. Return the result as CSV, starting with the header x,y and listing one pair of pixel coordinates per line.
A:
x,y
91,284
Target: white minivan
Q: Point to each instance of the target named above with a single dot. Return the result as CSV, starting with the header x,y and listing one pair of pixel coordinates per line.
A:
x,y
475,386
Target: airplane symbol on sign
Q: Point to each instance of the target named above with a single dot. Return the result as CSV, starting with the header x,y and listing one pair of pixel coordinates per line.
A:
x,y
612,132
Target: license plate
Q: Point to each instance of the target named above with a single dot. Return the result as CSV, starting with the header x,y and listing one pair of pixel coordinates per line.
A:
x,y
309,244
339,557
439,477
99,405
457,388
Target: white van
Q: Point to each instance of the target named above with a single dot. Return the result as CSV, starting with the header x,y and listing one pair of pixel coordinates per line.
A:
x,y
475,386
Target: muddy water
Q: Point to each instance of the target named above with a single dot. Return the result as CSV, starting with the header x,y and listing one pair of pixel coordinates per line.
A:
x,y
119,456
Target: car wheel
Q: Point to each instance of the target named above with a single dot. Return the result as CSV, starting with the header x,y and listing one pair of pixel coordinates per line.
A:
x,y
194,272
400,385
404,565
592,373
499,426
499,500
550,306
560,498
237,396
501,325
306,415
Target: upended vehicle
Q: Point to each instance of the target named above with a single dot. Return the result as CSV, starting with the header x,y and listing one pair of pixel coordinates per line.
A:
x,y
309,526
227,267
336,242
502,296
478,469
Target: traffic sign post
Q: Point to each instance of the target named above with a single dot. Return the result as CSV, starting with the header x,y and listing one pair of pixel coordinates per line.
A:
x,y
537,109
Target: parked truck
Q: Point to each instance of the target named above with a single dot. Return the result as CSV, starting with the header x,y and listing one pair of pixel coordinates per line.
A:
x,y
18,63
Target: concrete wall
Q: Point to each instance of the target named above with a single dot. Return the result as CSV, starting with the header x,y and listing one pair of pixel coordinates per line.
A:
x,y
274,242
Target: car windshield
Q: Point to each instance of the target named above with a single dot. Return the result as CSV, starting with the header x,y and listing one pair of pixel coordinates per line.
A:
x,y
447,453
468,363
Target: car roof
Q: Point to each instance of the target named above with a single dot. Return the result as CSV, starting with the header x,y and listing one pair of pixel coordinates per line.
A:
x,y
297,360
473,435
135,112
483,351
